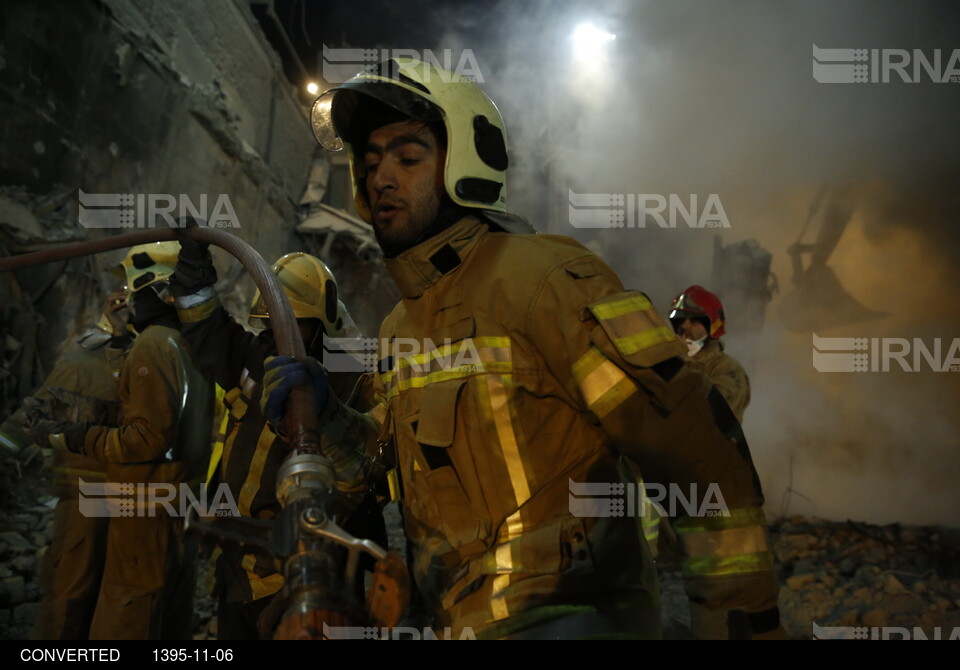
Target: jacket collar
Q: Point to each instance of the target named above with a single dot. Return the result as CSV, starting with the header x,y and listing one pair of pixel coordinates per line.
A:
x,y
419,268
711,347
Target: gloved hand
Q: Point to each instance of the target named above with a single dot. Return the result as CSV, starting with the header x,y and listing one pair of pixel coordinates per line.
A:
x,y
71,438
284,373
44,416
195,264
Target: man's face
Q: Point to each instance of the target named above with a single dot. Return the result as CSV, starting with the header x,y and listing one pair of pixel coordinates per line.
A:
x,y
691,330
404,183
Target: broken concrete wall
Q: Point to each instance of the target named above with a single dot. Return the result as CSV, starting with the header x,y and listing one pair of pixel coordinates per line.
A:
x,y
143,97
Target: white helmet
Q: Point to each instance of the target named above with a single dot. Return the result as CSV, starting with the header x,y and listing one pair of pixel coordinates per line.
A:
x,y
476,152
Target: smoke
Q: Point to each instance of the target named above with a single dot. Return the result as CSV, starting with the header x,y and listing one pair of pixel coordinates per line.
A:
x,y
719,98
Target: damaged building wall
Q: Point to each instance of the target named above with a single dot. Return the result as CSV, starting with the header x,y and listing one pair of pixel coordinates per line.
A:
x,y
147,97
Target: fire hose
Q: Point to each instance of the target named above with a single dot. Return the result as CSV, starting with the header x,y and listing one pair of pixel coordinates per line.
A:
x,y
319,581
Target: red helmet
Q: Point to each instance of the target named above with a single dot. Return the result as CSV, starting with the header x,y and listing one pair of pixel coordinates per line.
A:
x,y
699,303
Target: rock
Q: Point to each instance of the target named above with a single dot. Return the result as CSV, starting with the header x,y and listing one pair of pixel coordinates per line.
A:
x,y
32,593
866,574
5,616
24,564
876,617
893,585
39,539
863,595
828,580
797,582
12,590
849,618
804,566
16,543
848,566
5,571
942,603
25,613
28,520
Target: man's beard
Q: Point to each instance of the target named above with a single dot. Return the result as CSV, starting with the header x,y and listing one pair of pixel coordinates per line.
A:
x,y
423,224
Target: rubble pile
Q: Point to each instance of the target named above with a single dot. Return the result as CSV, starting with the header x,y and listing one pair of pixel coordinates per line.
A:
x,y
25,536
855,574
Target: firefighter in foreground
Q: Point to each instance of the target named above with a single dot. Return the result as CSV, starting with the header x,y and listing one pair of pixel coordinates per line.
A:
x,y
545,373
250,452
162,438
82,386
697,317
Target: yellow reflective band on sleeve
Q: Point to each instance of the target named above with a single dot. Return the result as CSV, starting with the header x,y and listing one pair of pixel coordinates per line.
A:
x,y
631,344
632,324
729,542
724,545
7,442
617,308
260,587
603,385
217,453
393,482
719,566
198,312
251,485
737,518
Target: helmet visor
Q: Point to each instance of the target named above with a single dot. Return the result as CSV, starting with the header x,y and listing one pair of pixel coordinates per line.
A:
x,y
351,111
321,120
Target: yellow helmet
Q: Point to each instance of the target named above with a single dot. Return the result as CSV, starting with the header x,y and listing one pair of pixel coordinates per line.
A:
x,y
476,157
147,264
311,289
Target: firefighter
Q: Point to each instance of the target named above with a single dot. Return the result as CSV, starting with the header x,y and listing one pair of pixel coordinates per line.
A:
x,y
83,385
161,444
697,317
250,452
514,367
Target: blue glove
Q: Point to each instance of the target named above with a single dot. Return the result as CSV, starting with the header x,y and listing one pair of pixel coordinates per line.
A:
x,y
281,375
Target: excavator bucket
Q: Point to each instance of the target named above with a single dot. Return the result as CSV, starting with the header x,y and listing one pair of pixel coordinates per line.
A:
x,y
819,302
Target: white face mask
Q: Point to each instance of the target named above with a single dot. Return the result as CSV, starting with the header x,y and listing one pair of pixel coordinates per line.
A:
x,y
693,346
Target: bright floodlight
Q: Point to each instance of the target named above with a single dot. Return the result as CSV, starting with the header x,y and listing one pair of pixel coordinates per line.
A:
x,y
312,88
589,39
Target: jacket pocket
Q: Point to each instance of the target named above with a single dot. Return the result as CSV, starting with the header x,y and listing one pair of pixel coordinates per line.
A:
x,y
442,465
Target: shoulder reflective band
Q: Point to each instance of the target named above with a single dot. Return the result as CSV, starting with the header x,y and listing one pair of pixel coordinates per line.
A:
x,y
603,385
632,324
